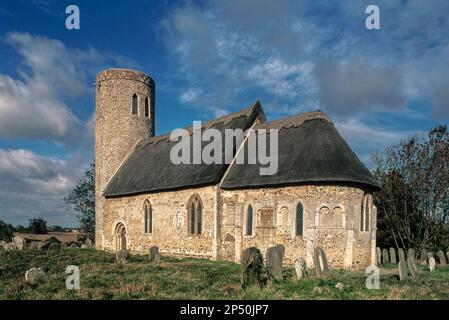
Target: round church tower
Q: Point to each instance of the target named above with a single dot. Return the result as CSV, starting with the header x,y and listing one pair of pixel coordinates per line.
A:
x,y
124,115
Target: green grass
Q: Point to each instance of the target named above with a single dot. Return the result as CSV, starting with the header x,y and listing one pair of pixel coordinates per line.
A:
x,y
171,278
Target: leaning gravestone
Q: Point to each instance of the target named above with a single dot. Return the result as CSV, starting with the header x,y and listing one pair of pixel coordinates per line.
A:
x,y
122,256
19,242
53,248
253,270
320,262
154,253
423,257
385,258
441,258
402,268
393,256
401,254
275,255
411,253
412,268
35,276
88,243
431,264
378,256
301,269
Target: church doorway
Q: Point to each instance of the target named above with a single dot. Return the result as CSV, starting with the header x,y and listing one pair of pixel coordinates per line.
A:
x,y
120,237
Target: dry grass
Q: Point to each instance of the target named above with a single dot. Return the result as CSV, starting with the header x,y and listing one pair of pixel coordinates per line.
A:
x,y
102,278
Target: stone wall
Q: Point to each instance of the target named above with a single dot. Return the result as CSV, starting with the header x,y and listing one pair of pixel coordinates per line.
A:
x,y
170,229
331,217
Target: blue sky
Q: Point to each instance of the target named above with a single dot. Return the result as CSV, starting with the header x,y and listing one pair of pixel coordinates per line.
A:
x,y
209,58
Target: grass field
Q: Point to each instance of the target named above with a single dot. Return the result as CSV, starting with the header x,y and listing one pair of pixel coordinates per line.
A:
x,y
171,278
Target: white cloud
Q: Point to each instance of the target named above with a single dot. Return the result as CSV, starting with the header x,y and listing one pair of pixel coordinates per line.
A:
x,y
30,110
34,185
52,77
283,79
229,48
190,95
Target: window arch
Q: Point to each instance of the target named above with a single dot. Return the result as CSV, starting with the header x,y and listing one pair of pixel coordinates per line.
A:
x,y
147,107
195,215
299,220
249,220
135,105
148,217
365,213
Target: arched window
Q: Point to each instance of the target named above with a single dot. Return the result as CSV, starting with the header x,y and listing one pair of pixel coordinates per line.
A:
x,y
365,213
147,109
249,221
195,215
135,104
299,221
148,216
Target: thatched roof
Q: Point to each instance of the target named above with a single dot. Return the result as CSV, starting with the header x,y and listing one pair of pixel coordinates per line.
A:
x,y
310,151
149,167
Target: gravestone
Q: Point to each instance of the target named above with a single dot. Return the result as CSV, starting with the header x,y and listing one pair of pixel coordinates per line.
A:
x,y
2,244
429,255
253,271
402,268
88,243
401,254
35,276
411,253
385,258
431,264
19,242
154,254
412,268
53,248
9,246
441,258
84,246
340,286
40,245
423,257
393,256
275,255
122,256
378,256
320,262
301,269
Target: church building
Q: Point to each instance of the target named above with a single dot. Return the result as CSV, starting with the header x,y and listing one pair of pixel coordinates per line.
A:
x,y
320,196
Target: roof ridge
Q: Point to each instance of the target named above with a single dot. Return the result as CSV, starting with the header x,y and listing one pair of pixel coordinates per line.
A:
x,y
225,119
296,120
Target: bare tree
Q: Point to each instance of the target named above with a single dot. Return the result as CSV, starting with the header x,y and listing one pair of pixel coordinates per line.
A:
x,y
413,205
